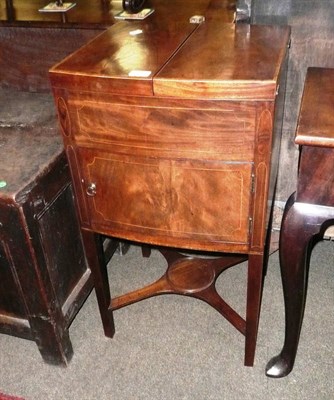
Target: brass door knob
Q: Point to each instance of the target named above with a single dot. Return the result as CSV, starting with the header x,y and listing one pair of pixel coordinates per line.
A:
x,y
91,189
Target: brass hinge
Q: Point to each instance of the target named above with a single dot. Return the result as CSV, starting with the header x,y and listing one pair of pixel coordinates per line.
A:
x,y
250,225
253,183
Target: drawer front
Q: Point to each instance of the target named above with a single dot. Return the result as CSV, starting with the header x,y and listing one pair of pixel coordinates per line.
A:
x,y
181,203
221,131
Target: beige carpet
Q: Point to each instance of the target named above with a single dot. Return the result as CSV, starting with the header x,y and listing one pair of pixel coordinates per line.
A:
x,y
173,347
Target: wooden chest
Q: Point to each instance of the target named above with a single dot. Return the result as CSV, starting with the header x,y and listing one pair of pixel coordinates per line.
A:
x,y
44,278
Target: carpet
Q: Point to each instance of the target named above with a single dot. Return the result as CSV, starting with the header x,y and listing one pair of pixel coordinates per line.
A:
x,y
7,397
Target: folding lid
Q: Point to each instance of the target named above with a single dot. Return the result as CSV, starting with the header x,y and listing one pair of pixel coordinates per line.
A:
x,y
174,58
124,59
220,61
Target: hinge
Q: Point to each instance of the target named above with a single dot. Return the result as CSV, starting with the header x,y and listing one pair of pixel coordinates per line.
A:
x,y
253,183
250,225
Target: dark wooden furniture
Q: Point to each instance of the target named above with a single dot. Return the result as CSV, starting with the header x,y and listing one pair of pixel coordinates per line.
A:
x,y
31,41
310,210
170,132
44,278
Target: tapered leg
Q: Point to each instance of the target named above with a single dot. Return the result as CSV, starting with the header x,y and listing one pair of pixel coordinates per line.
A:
x,y
254,292
95,258
301,225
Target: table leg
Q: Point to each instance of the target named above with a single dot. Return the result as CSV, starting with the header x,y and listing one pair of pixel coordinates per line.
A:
x,y
95,258
254,294
301,226
53,340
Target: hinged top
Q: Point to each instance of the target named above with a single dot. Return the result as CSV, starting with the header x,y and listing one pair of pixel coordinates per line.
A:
x,y
226,61
175,58
316,118
124,59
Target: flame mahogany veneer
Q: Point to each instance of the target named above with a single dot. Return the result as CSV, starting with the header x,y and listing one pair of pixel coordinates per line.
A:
x,y
172,133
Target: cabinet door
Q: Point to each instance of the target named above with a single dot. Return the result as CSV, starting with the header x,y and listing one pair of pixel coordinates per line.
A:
x,y
179,203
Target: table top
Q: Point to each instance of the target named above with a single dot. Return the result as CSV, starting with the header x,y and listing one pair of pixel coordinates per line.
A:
x,y
316,118
174,58
29,140
237,61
